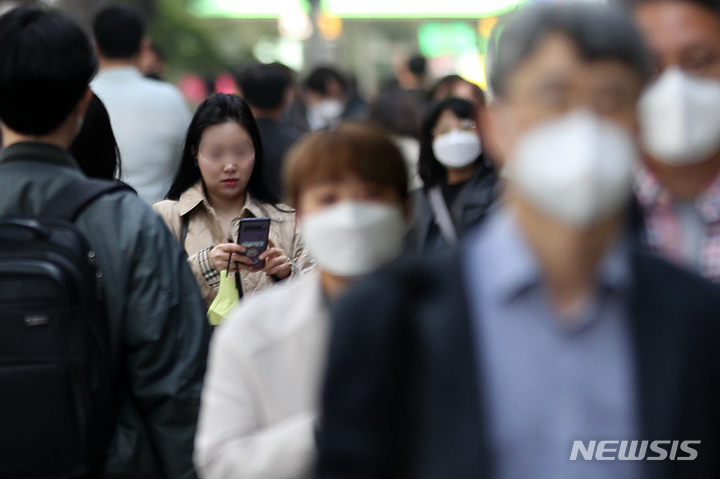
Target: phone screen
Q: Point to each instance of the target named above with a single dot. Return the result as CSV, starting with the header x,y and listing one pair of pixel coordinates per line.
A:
x,y
253,235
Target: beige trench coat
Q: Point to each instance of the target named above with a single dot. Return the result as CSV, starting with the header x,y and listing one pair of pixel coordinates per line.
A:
x,y
204,230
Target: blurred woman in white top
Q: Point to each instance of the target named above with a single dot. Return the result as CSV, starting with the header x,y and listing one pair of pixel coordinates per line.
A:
x,y
259,409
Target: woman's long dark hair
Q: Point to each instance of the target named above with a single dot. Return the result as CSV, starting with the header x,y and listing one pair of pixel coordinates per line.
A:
x,y
95,148
218,109
431,171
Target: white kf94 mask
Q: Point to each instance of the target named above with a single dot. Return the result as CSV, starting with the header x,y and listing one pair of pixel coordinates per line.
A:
x,y
352,238
577,169
457,148
680,118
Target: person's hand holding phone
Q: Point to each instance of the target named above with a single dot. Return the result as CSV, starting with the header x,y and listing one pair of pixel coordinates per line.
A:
x,y
277,262
254,252
230,257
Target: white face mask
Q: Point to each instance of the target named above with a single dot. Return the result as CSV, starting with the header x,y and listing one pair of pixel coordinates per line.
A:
x,y
351,238
578,168
680,118
457,148
325,113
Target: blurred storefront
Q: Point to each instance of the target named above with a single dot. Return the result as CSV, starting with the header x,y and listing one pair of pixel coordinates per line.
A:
x,y
364,37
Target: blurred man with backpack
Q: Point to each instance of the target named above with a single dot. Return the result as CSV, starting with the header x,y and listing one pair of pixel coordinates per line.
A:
x,y
157,332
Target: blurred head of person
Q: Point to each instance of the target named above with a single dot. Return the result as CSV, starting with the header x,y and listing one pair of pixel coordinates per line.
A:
x,y
680,109
119,33
152,61
417,65
396,112
349,188
291,78
288,72
46,63
565,81
457,86
223,150
95,148
326,94
450,145
412,72
266,88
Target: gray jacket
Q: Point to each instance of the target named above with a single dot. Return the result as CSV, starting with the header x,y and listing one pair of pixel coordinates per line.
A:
x,y
159,331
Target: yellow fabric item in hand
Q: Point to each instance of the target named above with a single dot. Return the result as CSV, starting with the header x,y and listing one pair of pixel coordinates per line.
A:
x,y
226,298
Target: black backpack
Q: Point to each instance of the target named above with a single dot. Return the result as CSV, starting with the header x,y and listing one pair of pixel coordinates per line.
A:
x,y
56,372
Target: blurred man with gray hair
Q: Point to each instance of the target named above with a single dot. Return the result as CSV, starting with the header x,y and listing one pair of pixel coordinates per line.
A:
x,y
548,344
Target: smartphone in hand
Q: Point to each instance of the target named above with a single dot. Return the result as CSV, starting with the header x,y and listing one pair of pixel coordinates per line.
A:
x,y
253,235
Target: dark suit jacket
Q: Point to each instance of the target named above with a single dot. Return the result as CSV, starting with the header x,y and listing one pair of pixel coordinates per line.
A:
x,y
402,397
469,208
276,141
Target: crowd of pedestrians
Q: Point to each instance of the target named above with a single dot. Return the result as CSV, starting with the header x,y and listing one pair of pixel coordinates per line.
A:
x,y
440,282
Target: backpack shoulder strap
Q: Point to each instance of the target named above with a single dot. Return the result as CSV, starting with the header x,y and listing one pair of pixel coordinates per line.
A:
x,y
73,198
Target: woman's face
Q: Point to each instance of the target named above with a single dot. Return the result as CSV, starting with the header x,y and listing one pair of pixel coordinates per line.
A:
x,y
319,196
226,156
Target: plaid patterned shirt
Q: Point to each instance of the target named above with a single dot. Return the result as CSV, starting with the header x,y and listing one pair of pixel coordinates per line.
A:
x,y
663,227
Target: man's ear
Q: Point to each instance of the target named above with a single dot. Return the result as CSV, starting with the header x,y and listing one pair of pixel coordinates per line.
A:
x,y
84,103
145,46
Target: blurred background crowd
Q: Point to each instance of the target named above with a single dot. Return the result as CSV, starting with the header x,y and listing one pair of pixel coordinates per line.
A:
x,y
460,275
199,42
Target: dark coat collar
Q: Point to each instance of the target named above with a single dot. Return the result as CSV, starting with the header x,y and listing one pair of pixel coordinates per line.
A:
x,y
38,151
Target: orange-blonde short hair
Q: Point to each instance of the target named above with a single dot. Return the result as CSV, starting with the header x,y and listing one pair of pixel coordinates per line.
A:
x,y
351,149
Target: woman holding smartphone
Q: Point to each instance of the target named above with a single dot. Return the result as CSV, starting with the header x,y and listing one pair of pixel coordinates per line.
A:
x,y
219,182
259,408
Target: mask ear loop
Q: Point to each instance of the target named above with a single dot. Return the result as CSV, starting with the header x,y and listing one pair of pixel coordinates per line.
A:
x,y
238,278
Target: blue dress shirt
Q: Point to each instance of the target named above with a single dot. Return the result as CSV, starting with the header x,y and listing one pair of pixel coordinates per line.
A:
x,y
546,382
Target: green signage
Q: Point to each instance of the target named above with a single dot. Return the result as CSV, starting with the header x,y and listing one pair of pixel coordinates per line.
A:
x,y
244,8
438,39
356,8
419,9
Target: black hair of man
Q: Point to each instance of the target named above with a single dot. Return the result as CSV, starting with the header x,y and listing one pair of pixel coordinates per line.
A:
x,y
263,86
118,32
599,32
417,65
46,63
287,71
319,80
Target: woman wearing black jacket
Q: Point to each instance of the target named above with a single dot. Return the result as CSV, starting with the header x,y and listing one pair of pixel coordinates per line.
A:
x,y
460,185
